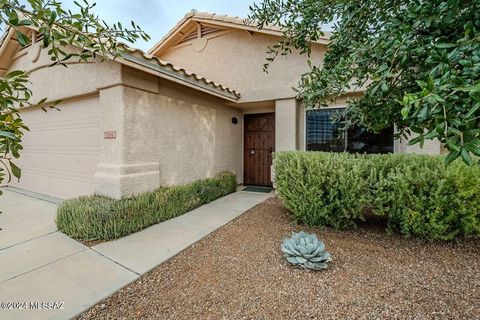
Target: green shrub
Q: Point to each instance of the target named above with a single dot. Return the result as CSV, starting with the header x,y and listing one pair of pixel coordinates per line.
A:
x,y
418,194
102,218
321,189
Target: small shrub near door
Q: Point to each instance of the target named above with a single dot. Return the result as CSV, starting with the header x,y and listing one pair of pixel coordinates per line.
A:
x,y
103,218
418,194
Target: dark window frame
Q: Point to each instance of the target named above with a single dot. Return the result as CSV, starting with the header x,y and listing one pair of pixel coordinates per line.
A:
x,y
387,146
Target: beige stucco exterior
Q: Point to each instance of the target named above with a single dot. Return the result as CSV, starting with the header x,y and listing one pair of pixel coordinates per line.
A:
x,y
236,58
166,133
170,126
169,135
63,147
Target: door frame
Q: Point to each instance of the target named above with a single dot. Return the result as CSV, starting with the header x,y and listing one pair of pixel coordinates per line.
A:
x,y
244,145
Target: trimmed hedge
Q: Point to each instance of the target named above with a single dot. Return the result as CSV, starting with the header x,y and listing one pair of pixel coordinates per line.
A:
x,y
103,218
419,194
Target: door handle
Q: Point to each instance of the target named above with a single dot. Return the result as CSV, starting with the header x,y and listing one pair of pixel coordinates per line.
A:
x,y
252,151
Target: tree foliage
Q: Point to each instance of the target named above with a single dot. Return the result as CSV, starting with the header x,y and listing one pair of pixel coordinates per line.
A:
x,y
60,30
417,62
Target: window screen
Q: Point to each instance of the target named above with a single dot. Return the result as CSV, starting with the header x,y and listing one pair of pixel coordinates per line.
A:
x,y
323,134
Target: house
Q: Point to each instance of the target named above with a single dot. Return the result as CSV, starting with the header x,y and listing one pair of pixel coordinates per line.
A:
x,y
138,122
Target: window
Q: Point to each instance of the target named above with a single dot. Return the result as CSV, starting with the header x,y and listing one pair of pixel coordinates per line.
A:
x,y
323,134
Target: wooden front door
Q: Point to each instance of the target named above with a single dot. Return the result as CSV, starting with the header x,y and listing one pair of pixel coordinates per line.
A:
x,y
259,143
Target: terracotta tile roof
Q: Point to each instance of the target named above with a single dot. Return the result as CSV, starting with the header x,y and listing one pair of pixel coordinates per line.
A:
x,y
138,55
220,18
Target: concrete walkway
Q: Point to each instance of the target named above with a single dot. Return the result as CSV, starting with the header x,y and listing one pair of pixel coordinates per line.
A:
x,y
40,264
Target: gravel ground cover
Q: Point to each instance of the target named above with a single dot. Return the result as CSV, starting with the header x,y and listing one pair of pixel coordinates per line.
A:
x,y
238,272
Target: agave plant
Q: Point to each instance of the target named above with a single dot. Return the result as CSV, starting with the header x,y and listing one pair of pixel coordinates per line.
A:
x,y
306,251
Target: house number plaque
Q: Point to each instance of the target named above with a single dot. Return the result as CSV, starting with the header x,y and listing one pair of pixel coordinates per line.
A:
x,y
110,135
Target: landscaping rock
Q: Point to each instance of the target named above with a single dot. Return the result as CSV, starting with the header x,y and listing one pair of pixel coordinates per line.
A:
x,y
239,272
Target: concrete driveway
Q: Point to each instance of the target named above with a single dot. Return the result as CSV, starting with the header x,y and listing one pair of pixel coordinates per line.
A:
x,y
41,268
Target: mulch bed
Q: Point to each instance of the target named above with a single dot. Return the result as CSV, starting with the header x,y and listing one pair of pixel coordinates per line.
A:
x,y
238,272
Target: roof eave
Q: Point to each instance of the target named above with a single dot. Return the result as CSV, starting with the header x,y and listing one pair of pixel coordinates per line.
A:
x,y
190,17
171,34
266,30
155,69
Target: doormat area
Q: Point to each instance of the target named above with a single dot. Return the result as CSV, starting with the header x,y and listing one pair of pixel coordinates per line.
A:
x,y
258,189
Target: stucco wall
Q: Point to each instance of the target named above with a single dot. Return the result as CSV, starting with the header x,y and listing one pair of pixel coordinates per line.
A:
x,y
59,82
286,123
236,59
170,135
165,133
430,147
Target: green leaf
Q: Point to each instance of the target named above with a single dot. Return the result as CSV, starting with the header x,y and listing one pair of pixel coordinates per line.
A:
x,y
466,156
8,135
416,129
430,84
23,40
440,128
423,112
416,140
446,45
53,16
405,112
16,171
451,156
453,146
473,110
14,74
46,40
431,135
384,86
25,22
13,18
471,88
475,149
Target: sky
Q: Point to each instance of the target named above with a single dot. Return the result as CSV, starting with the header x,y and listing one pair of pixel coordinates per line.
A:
x,y
157,17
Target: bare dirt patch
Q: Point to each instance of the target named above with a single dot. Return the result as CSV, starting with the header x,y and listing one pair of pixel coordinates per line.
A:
x,y
238,272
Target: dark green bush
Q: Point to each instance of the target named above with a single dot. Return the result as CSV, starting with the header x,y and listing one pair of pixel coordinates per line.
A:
x,y
103,218
418,194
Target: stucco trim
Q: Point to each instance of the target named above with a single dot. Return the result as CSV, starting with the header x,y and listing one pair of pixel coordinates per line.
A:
x,y
120,84
119,186
128,169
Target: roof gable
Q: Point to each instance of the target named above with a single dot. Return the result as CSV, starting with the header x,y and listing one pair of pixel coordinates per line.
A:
x,y
196,24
